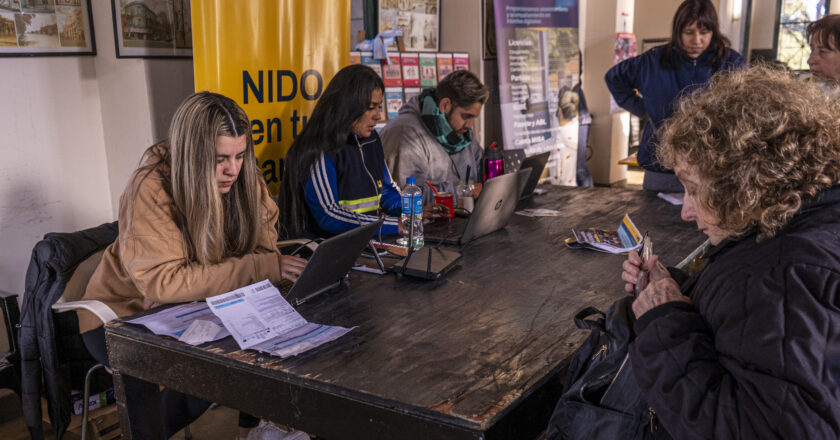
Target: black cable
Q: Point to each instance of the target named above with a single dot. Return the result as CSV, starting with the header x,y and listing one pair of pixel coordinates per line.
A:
x,y
302,245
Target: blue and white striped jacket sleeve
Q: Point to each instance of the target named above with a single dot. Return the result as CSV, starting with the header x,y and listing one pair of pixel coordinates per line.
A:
x,y
321,196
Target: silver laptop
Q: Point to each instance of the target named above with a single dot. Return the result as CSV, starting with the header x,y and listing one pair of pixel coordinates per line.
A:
x,y
492,211
330,262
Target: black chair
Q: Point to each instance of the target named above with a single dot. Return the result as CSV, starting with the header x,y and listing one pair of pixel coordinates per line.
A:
x,y
10,362
54,359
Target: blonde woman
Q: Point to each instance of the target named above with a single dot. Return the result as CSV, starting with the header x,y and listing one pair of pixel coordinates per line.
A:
x,y
195,220
749,347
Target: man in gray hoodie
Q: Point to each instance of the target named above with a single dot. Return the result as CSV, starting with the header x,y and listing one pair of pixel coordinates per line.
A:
x,y
432,138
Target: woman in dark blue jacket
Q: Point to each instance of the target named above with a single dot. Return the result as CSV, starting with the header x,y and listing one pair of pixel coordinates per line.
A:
x,y
651,83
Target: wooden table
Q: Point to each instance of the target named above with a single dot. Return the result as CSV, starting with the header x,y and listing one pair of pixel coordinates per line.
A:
x,y
478,354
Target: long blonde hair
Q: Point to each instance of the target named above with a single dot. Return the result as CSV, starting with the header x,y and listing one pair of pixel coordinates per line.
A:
x,y
214,226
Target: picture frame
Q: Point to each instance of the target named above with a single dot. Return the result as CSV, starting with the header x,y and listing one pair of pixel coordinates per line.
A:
x,y
46,28
139,31
419,20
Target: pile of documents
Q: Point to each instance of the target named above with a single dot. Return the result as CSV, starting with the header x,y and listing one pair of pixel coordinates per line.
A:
x,y
257,316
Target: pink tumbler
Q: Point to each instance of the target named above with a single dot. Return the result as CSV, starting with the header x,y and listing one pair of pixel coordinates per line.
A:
x,y
494,165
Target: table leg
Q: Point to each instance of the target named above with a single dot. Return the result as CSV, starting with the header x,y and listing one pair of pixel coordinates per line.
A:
x,y
138,403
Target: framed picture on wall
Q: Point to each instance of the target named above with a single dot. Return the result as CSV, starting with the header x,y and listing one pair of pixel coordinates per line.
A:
x,y
419,20
46,28
152,28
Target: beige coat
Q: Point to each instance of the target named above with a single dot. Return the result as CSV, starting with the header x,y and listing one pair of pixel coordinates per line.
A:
x,y
147,265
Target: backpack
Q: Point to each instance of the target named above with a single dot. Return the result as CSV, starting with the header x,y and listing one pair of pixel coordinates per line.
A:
x,y
600,398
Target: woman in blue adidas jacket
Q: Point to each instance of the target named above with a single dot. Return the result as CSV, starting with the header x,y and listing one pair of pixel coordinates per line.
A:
x,y
652,82
335,177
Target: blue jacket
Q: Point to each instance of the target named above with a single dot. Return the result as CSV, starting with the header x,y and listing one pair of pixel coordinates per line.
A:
x,y
347,189
659,88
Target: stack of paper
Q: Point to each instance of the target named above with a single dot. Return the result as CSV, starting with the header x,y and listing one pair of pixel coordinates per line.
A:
x,y
260,318
257,316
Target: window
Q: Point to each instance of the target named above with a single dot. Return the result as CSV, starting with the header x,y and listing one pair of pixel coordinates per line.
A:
x,y
794,16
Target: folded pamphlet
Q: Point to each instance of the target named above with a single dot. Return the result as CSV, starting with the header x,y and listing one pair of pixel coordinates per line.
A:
x,y
621,241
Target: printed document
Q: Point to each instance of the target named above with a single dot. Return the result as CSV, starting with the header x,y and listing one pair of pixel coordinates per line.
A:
x,y
260,318
174,321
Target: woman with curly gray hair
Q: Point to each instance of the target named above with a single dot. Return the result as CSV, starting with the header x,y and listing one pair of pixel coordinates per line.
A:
x,y
746,347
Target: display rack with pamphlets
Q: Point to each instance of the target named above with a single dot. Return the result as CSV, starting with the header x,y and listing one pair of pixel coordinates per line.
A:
x,y
410,73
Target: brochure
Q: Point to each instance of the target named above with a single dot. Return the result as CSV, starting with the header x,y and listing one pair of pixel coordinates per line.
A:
x,y
461,61
428,70
444,65
621,241
393,101
355,58
392,72
373,63
410,70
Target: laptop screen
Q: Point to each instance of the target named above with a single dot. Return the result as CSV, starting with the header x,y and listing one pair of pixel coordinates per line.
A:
x,y
331,261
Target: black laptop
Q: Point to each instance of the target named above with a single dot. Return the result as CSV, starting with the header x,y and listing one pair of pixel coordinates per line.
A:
x,y
493,209
537,164
330,262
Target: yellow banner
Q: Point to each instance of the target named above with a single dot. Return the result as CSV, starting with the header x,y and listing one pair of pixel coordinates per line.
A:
x,y
273,57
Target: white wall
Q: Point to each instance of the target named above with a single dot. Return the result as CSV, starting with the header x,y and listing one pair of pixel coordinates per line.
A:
x,y
461,31
138,97
53,156
599,28
66,122
762,26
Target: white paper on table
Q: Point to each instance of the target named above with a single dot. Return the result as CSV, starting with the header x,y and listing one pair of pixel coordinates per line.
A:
x,y
255,313
540,212
672,198
259,317
303,338
174,321
199,332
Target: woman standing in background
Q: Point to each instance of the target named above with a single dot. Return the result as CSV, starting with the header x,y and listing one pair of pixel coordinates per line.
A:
x,y
651,83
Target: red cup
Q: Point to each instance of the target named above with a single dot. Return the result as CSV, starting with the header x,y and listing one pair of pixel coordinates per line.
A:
x,y
446,199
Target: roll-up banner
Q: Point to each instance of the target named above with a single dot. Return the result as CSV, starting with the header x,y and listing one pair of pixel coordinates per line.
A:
x,y
273,57
539,80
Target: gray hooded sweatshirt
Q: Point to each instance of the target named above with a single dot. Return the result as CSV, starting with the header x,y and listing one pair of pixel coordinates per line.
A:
x,y
412,151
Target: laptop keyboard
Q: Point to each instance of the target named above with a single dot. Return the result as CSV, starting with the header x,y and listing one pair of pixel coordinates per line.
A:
x,y
284,286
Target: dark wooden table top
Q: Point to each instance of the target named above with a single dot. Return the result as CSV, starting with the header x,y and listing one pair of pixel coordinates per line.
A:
x,y
475,354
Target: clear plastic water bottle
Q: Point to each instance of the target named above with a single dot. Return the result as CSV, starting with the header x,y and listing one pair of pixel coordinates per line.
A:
x,y
411,195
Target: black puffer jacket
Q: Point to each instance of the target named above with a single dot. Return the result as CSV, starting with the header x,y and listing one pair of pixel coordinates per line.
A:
x,y
46,355
755,356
